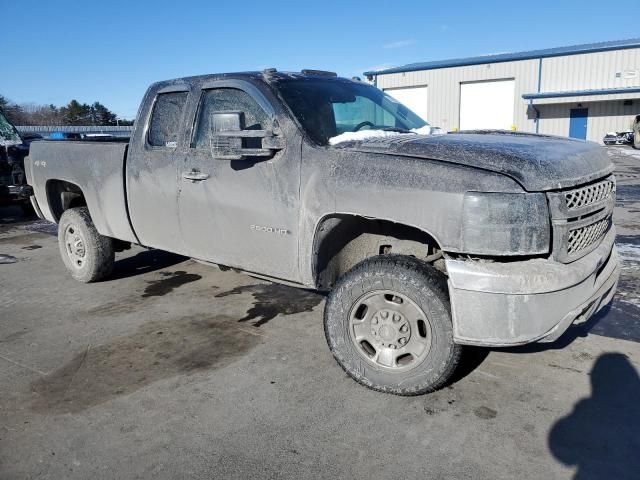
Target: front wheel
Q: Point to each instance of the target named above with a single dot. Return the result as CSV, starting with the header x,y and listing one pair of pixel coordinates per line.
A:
x,y
388,324
636,136
88,255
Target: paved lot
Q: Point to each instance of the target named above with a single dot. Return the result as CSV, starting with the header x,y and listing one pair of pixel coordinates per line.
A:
x,y
173,369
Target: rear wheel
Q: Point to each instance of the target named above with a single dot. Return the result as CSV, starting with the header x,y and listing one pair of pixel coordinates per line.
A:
x,y
388,324
88,255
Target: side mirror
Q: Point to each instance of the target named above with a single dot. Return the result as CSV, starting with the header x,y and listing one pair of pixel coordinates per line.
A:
x,y
227,135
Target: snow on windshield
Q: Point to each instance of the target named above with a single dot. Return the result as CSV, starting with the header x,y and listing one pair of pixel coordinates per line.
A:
x,y
362,135
8,135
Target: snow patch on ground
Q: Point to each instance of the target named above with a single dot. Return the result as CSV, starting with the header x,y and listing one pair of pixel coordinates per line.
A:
x,y
43,226
629,254
362,135
623,151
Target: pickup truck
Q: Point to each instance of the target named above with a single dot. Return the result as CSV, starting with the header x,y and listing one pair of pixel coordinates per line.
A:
x,y
425,243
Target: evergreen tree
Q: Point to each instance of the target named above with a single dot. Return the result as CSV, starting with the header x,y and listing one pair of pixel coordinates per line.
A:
x,y
76,113
102,115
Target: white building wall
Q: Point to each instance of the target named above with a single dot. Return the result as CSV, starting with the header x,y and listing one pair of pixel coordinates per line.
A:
x,y
564,73
444,88
591,71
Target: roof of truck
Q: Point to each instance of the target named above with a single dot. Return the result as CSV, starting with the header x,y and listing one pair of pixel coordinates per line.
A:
x,y
266,74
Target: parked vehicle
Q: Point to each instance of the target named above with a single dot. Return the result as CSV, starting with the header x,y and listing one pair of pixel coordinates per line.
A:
x,y
425,243
13,150
65,136
636,132
96,137
618,138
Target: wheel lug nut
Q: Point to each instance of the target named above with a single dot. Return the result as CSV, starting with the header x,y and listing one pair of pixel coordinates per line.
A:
x,y
403,341
385,314
396,317
403,328
375,320
392,347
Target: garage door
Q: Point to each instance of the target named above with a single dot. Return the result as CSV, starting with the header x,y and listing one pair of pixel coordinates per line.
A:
x,y
487,105
415,98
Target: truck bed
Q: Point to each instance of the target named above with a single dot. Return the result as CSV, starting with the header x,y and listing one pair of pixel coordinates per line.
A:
x,y
96,167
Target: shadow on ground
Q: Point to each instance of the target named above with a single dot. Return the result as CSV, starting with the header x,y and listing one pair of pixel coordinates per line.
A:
x,y
12,218
471,358
10,215
600,436
144,262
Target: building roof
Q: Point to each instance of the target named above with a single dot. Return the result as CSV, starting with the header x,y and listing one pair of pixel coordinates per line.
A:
x,y
581,93
510,57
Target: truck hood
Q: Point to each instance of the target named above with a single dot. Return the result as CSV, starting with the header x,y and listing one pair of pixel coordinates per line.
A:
x,y
537,162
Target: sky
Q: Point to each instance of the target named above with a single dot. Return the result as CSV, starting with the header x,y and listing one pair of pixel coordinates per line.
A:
x,y
55,51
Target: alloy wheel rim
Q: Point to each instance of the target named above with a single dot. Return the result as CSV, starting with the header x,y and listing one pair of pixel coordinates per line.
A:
x,y
389,330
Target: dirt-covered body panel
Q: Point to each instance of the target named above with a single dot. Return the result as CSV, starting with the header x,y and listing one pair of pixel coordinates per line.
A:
x,y
95,167
268,209
537,162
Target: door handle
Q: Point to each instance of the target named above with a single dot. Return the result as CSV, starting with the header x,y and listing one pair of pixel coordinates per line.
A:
x,y
195,176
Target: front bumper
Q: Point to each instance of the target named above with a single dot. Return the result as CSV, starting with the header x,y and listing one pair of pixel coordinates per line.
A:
x,y
513,303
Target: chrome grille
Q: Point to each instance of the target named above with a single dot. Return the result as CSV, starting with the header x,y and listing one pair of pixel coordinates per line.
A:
x,y
580,238
582,197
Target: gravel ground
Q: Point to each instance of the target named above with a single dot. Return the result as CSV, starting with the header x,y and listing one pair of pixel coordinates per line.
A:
x,y
172,369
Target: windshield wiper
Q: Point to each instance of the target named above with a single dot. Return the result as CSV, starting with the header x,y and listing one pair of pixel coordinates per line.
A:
x,y
396,129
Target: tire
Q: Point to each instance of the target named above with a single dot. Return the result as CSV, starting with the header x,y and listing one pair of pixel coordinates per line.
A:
x,y
367,341
88,255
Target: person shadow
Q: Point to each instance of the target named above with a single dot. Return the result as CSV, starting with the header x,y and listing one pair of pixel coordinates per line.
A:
x,y
601,436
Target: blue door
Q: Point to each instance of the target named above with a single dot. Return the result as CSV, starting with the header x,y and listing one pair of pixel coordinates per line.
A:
x,y
578,123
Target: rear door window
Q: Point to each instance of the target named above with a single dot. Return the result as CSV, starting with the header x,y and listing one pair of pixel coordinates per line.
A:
x,y
166,119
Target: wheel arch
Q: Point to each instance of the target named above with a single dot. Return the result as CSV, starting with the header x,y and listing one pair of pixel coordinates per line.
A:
x,y
63,195
342,240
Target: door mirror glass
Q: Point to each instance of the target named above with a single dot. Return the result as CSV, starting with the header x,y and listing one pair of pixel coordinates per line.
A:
x,y
222,142
227,121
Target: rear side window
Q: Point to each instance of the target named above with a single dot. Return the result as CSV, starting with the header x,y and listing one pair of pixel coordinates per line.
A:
x,y
228,99
166,119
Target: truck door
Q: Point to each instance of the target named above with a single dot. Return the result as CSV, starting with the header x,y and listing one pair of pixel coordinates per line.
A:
x,y
241,213
152,171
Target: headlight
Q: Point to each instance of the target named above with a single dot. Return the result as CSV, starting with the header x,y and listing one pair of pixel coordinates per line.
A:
x,y
505,224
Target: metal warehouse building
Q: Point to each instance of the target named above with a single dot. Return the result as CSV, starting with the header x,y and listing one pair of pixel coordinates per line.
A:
x,y
583,91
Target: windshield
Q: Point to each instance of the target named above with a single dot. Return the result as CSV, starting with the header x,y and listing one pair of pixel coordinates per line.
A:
x,y
329,107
